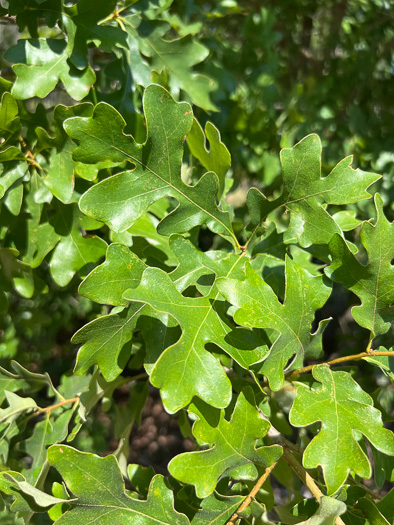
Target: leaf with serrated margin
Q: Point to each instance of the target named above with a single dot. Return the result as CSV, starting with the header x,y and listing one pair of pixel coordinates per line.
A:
x,y
217,158
373,283
104,342
343,409
234,445
121,199
305,194
98,485
258,306
187,369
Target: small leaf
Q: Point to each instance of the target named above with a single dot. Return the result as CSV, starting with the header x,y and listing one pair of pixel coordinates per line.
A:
x,y
343,408
104,342
217,158
99,486
234,446
121,270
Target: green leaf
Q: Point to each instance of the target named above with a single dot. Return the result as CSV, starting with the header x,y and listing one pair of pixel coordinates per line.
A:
x,y
258,306
9,120
11,173
104,342
12,269
75,249
233,446
42,237
121,199
305,194
217,158
17,405
83,27
46,65
99,486
176,56
27,496
59,175
373,283
344,410
187,369
53,429
327,513
121,270
216,509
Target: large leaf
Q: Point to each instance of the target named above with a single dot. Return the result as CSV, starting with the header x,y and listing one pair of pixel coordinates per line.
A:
x,y
305,194
345,411
99,486
234,446
373,282
258,306
187,369
121,199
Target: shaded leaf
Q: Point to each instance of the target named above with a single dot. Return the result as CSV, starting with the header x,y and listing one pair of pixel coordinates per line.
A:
x,y
305,194
217,158
373,283
178,56
327,513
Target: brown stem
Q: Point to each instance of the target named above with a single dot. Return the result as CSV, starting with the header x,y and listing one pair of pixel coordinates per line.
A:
x,y
306,478
248,500
296,373
29,154
53,407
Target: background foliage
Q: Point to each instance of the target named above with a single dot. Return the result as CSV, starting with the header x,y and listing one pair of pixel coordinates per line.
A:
x,y
94,251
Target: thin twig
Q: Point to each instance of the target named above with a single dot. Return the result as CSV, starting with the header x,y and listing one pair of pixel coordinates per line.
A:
x,y
248,500
306,478
355,357
29,154
53,407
